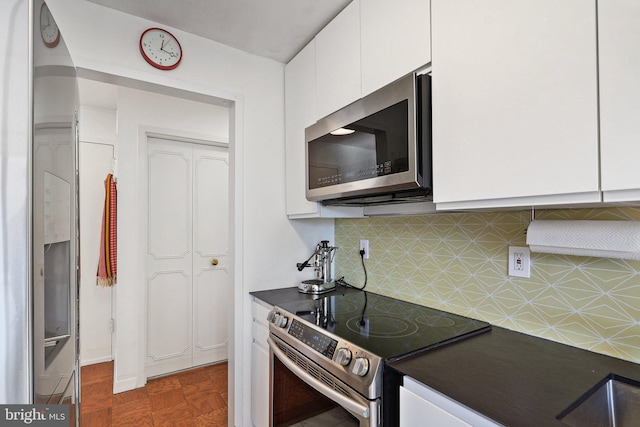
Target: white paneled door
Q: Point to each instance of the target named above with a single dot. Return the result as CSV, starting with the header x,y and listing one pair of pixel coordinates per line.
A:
x,y
187,255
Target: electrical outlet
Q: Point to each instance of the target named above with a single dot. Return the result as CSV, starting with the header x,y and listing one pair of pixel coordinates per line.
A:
x,y
519,261
364,246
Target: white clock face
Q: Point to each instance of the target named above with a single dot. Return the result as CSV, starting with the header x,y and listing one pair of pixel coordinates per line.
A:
x,y
160,49
48,27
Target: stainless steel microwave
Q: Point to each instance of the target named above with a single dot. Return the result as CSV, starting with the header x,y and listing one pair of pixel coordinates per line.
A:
x,y
375,150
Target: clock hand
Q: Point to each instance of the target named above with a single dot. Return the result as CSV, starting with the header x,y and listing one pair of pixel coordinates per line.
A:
x,y
162,45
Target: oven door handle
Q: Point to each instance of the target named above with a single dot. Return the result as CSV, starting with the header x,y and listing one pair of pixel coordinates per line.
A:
x,y
348,404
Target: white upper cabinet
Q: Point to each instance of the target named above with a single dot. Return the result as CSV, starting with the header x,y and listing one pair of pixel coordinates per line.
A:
x,y
395,40
338,61
619,50
515,108
300,105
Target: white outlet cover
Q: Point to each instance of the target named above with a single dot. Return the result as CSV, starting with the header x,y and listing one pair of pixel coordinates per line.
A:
x,y
520,261
364,244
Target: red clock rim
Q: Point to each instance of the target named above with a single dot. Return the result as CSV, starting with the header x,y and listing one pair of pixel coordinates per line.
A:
x,y
151,61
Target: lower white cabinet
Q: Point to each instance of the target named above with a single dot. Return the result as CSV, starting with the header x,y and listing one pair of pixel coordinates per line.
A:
x,y
421,405
260,364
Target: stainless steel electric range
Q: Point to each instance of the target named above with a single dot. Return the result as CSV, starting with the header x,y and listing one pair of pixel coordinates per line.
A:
x,y
328,355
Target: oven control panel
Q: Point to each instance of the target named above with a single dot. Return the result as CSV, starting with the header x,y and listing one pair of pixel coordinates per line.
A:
x,y
319,342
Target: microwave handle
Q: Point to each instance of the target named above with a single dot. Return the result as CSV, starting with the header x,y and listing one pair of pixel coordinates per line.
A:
x,y
340,399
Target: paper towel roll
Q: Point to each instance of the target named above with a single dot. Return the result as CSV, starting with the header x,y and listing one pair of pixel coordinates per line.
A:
x,y
604,239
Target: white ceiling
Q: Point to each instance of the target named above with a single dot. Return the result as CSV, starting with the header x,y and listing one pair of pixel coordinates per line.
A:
x,y
275,29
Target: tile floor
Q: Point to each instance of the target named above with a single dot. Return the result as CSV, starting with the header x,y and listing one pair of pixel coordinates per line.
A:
x,y
193,398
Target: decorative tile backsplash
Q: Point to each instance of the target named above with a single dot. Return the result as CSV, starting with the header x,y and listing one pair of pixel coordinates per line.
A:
x,y
458,262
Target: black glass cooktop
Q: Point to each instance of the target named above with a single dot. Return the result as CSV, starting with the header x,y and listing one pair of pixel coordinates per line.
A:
x,y
385,326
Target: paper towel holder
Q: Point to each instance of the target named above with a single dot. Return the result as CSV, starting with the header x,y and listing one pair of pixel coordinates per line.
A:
x,y
532,217
592,238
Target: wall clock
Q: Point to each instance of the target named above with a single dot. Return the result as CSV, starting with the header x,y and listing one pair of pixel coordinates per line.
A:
x,y
160,48
48,28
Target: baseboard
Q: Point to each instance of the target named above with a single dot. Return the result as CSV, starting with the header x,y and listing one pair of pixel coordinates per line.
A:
x,y
126,384
96,360
95,355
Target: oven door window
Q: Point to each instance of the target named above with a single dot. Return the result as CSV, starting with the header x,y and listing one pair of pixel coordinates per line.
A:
x,y
297,404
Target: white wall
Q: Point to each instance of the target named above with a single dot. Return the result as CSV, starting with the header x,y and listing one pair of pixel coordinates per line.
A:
x,y
267,245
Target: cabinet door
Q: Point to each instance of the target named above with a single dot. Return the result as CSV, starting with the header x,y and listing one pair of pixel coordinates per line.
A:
x,y
619,50
260,365
338,74
422,405
259,386
300,104
396,40
514,102
414,410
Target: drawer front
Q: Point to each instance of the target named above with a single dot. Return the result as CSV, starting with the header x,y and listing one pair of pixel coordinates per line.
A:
x,y
259,311
260,334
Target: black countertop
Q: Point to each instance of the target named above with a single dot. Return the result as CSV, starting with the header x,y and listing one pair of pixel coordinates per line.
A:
x,y
284,295
515,379
518,380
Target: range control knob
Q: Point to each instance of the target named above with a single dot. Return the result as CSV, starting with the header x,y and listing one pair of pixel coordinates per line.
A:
x,y
343,356
281,321
361,366
271,316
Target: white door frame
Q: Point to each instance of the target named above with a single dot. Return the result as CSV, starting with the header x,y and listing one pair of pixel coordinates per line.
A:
x,y
236,321
237,330
235,349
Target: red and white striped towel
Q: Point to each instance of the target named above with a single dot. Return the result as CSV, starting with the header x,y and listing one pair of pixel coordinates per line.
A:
x,y
108,252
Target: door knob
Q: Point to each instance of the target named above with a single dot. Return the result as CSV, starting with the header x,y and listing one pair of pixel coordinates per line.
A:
x,y
214,261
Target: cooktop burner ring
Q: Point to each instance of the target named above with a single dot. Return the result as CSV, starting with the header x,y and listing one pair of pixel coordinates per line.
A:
x,y
435,321
391,309
349,307
379,326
